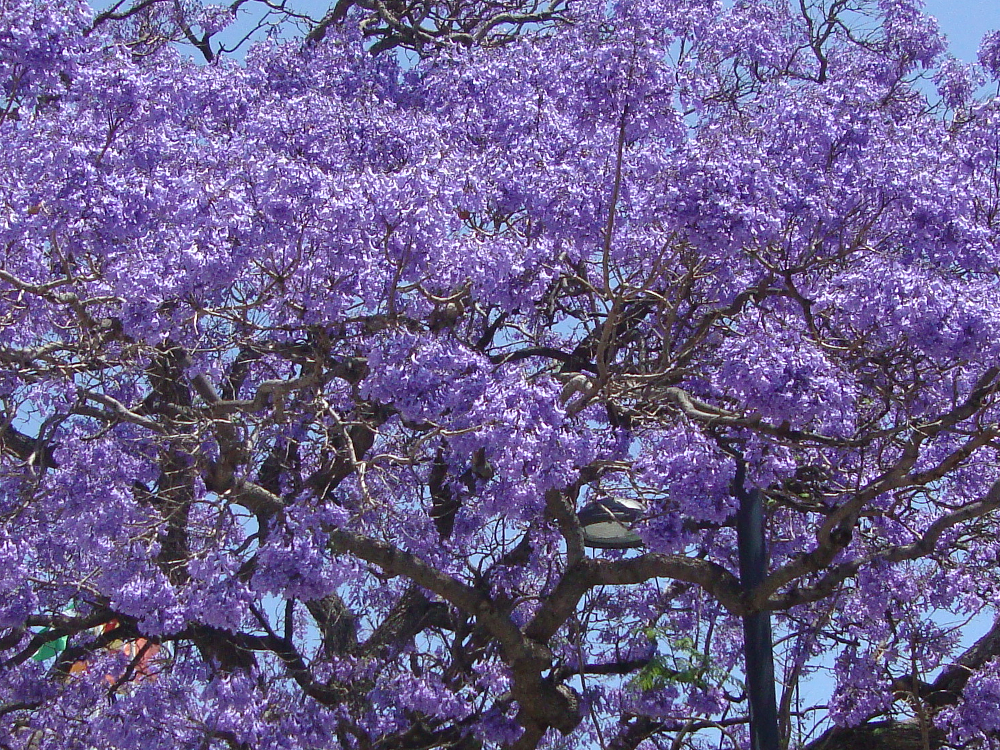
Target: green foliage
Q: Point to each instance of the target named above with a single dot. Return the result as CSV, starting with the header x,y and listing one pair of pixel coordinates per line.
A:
x,y
684,664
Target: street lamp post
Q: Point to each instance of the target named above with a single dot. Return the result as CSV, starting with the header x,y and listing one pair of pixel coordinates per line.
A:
x,y
758,646
605,524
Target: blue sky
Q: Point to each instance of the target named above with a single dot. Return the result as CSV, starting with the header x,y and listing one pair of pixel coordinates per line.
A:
x,y
964,22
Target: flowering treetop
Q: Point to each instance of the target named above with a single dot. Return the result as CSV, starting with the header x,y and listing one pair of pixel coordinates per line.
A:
x,y
307,363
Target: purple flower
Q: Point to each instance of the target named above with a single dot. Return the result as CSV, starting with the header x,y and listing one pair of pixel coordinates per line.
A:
x,y
989,54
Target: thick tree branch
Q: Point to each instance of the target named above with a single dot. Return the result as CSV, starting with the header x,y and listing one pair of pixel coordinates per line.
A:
x,y
544,704
922,547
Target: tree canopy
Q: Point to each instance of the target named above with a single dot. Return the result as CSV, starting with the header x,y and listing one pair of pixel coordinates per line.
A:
x,y
309,360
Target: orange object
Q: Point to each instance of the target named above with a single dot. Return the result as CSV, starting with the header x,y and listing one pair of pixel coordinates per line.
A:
x,y
131,649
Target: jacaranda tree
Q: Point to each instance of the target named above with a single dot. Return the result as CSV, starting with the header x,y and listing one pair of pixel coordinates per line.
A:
x,y
310,358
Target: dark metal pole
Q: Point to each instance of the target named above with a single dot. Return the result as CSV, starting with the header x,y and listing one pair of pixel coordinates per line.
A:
x,y
756,625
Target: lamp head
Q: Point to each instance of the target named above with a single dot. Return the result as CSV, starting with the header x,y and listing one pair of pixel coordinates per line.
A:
x,y
606,523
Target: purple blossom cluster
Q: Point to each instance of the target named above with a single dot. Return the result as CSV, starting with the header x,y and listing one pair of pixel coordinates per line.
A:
x,y
308,362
